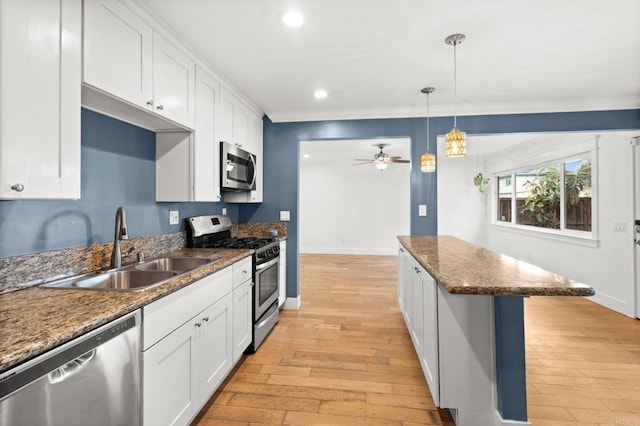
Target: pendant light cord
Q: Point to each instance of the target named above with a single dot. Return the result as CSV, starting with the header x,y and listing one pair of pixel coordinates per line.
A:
x,y
455,87
427,122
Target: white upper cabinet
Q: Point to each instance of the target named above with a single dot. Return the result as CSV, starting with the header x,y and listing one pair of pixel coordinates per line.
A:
x,y
174,86
125,58
118,51
206,150
40,69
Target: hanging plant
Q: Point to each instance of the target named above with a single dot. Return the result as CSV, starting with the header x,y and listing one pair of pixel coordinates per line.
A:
x,y
480,181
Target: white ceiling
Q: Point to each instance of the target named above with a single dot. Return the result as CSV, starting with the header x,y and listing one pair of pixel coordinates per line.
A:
x,y
345,152
374,56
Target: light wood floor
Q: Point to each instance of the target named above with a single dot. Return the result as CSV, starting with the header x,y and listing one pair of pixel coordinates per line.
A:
x,y
346,358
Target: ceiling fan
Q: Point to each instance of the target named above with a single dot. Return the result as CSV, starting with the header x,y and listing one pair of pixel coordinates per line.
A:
x,y
381,160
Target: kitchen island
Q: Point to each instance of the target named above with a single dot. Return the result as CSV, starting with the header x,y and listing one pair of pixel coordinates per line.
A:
x,y
463,305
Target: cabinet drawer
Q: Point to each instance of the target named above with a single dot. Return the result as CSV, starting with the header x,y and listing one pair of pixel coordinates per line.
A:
x,y
242,271
167,314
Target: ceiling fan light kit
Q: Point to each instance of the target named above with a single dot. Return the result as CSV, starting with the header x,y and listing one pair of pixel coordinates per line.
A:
x,y
455,140
428,159
381,160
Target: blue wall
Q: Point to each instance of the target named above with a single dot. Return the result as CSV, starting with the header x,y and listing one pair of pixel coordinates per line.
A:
x,y
282,148
118,169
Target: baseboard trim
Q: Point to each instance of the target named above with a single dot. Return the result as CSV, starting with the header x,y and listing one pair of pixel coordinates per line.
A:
x,y
292,303
502,422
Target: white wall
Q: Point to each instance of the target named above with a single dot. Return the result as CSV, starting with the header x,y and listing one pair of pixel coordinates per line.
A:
x,y
608,266
352,210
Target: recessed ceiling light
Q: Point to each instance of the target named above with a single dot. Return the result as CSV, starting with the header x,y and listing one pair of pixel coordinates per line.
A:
x,y
306,156
293,19
320,94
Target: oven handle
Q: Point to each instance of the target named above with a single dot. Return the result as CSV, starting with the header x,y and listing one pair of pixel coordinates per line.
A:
x,y
267,264
267,315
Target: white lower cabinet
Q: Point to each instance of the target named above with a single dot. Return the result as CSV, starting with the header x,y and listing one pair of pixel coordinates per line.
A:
x,y
453,338
192,338
242,323
169,383
282,274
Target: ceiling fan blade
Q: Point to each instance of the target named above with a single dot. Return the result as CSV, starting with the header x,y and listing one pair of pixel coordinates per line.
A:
x,y
394,160
364,159
395,156
360,164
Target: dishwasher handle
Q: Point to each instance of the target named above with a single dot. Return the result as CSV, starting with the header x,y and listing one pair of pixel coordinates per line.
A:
x,y
60,374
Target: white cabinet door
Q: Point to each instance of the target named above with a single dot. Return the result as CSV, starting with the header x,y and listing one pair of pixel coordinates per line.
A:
x,y
173,82
224,128
215,345
40,71
118,51
206,149
402,258
170,379
429,358
241,123
242,323
282,271
417,320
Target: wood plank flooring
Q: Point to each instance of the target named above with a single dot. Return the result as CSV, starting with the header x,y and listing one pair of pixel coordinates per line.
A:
x,y
346,358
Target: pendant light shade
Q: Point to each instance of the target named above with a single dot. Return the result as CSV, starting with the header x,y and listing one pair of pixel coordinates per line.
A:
x,y
455,140
428,159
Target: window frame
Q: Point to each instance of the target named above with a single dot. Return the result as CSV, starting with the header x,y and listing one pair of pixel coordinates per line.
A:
x,y
533,162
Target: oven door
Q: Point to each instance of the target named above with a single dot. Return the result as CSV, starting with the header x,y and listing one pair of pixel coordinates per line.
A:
x,y
266,286
237,168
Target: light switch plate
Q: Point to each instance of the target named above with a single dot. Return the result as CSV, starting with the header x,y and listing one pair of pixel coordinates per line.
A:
x,y
285,216
224,211
422,210
174,217
619,227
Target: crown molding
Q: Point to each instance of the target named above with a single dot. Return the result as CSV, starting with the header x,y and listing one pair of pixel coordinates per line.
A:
x,y
631,102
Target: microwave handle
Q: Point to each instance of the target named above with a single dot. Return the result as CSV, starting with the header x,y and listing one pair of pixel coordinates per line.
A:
x,y
255,169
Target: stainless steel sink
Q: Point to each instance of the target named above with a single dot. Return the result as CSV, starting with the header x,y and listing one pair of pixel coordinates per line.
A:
x,y
125,280
176,264
134,277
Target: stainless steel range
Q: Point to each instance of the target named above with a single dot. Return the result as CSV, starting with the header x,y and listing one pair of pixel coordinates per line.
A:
x,y
215,232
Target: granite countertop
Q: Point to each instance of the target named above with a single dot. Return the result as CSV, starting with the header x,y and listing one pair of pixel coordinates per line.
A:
x,y
36,319
464,268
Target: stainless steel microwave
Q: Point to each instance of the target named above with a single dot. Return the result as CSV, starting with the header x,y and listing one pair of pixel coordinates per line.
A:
x,y
237,168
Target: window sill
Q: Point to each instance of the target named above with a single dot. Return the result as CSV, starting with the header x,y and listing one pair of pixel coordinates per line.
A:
x,y
549,234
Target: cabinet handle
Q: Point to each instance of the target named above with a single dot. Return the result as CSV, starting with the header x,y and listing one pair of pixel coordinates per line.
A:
x,y
205,319
417,270
150,103
160,107
401,250
18,187
198,325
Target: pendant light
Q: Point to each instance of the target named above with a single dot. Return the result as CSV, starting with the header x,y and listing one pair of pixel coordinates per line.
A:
x,y
428,159
455,140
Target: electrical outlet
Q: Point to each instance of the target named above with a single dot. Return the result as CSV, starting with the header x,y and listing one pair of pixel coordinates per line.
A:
x,y
285,216
422,210
174,217
224,211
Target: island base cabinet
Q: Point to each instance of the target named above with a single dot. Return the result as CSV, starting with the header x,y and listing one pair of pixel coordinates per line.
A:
x,y
466,342
183,369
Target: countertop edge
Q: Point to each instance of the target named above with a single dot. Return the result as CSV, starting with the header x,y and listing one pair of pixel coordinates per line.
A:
x,y
452,285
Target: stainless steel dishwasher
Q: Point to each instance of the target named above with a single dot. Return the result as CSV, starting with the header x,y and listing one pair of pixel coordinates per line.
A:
x,y
91,380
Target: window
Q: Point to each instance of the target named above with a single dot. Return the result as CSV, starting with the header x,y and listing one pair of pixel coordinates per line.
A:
x,y
556,196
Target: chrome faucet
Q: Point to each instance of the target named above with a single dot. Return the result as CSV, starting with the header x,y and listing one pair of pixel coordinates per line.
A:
x,y
121,234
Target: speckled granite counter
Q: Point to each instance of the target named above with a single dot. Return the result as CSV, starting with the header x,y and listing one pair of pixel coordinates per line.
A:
x,y
464,268
34,320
